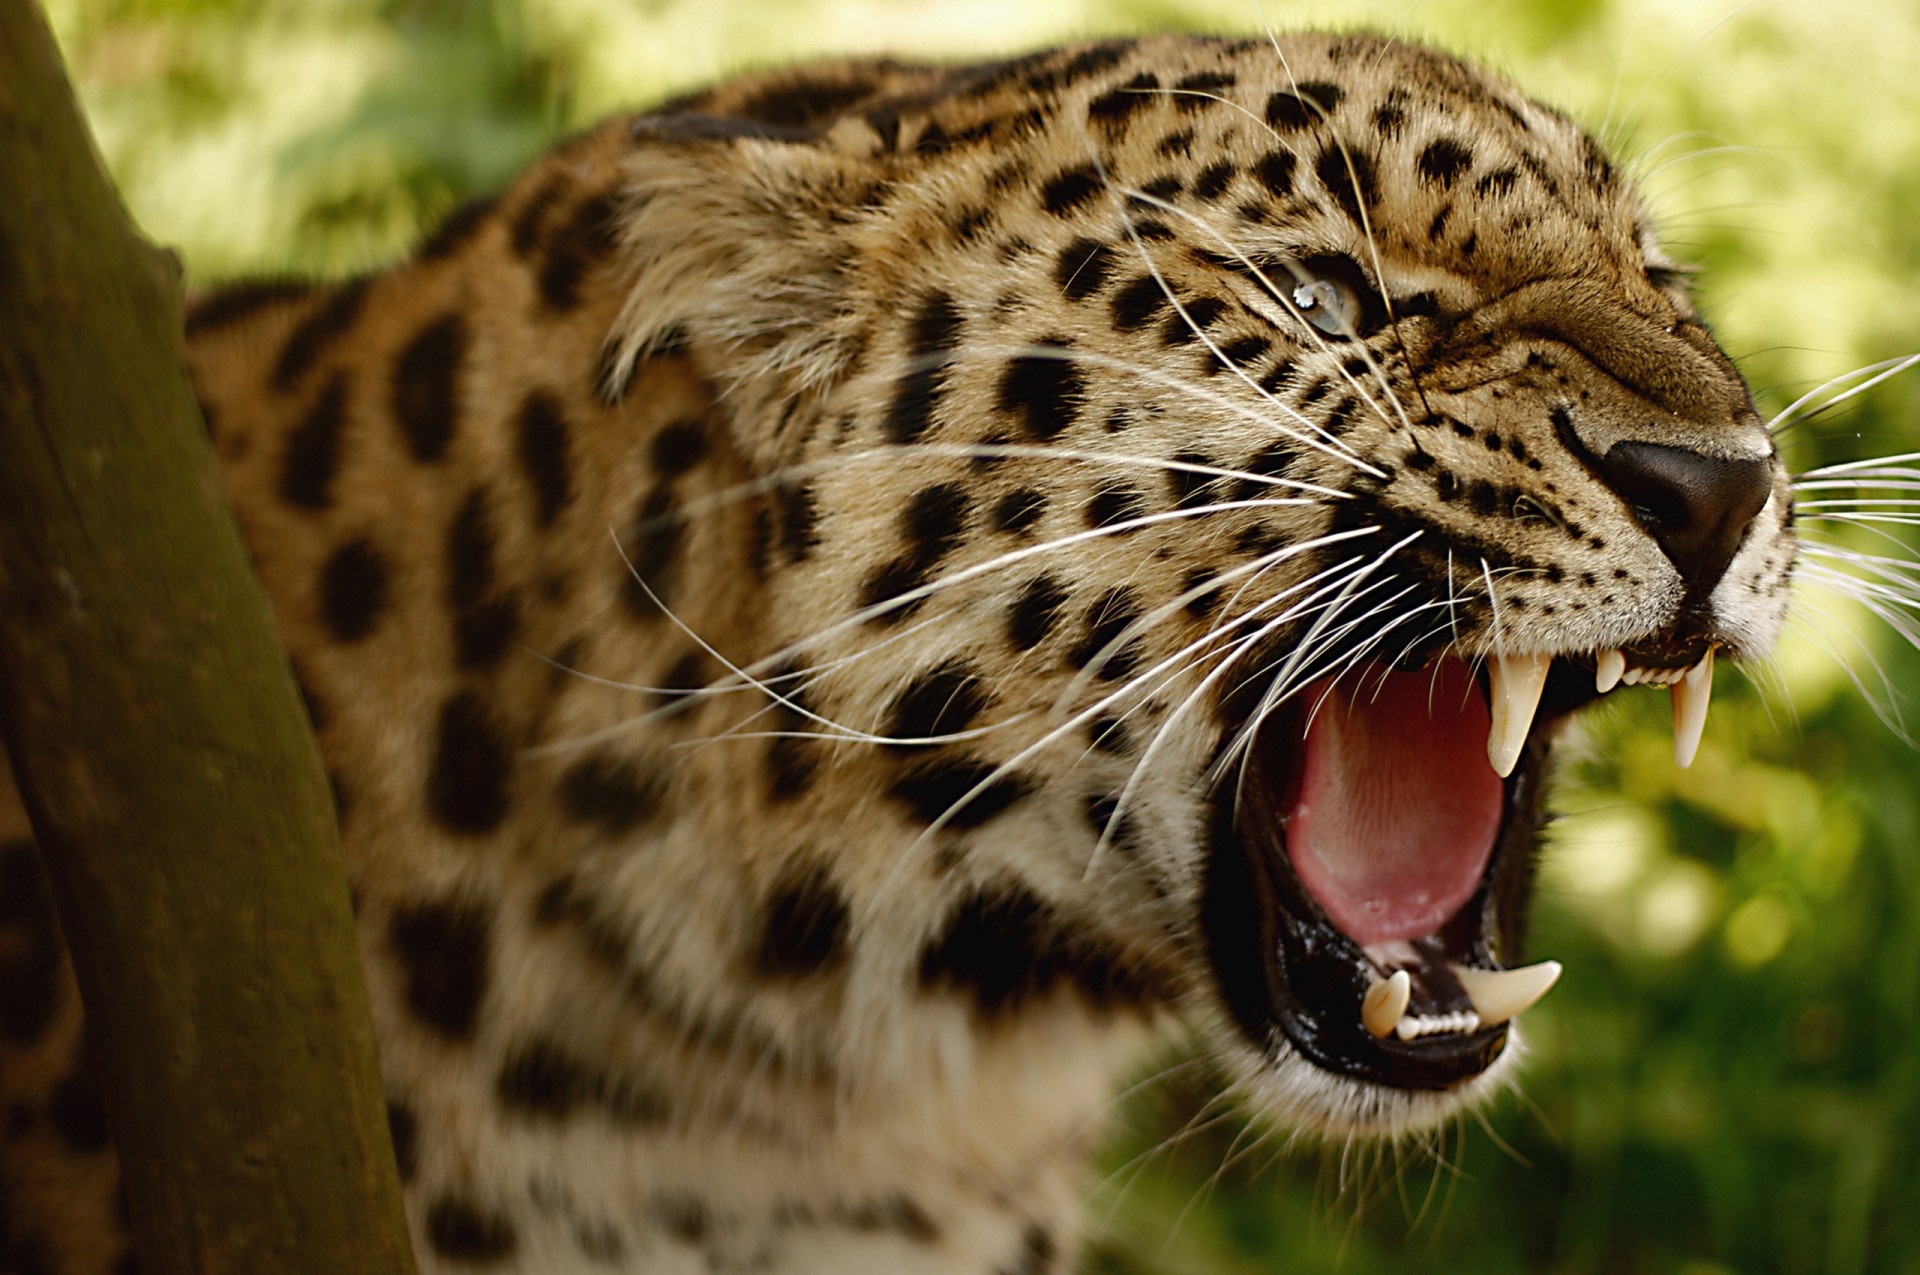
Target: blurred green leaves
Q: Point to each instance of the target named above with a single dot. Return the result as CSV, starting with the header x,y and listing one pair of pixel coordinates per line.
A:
x,y
1728,1079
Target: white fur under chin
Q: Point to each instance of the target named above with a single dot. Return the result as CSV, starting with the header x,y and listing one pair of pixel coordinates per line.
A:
x,y
1288,1091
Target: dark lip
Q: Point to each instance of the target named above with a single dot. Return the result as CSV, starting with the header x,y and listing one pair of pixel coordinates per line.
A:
x,y
1285,972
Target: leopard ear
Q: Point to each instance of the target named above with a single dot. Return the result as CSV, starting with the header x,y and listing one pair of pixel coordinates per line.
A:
x,y
740,238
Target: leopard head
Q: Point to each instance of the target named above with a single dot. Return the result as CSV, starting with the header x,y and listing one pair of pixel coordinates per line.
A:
x,y
1207,475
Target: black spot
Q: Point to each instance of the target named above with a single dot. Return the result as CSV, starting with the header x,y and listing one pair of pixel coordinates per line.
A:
x,y
1083,268
1188,487
312,457
804,104
529,222
804,930
1176,144
540,1079
1111,615
456,228
942,701
426,386
1443,161
1291,112
404,1130
1349,178
241,301
651,544
1136,304
1109,735
1003,947
1500,181
587,237
76,1111
1242,351
1045,391
935,788
799,519
1018,510
30,952
1069,190
1202,597
791,765
483,624
1037,1251
353,590
1162,189
1033,614
443,947
609,791
1115,503
472,767
1197,91
935,333
461,1232
1214,179
678,448
1114,108
1388,121
685,1217
1184,326
934,519
470,552
1275,172
892,580
309,341
545,455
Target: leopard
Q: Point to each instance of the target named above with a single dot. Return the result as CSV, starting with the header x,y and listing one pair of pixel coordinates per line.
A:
x,y
844,608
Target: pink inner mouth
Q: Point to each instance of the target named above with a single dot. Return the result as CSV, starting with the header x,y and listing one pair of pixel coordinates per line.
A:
x,y
1397,808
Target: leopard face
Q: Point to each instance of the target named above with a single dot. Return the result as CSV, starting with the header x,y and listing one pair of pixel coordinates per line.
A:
x,y
1224,447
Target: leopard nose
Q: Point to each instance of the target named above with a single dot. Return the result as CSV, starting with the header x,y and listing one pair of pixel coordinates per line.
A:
x,y
1696,507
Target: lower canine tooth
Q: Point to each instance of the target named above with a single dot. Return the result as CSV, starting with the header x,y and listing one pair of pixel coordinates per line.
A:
x,y
1607,671
1498,995
1385,1001
1515,682
1690,696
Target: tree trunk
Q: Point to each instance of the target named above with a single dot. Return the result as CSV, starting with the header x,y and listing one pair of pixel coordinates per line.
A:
x,y
156,735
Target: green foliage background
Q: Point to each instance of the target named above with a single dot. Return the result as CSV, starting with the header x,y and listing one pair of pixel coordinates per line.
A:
x,y
1727,1079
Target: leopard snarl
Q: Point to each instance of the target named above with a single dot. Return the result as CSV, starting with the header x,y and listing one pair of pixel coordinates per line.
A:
x,y
842,607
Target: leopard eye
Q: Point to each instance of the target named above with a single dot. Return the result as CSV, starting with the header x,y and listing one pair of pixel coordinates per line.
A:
x,y
1333,294
1330,306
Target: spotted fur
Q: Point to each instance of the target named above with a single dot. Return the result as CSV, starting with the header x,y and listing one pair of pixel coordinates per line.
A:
x,y
765,587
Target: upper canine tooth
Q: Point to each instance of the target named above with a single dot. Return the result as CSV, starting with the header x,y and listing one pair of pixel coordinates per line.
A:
x,y
1607,671
1690,696
1498,995
1516,681
1385,1002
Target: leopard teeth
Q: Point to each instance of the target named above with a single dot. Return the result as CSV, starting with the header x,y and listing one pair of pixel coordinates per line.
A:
x,y
1515,682
1386,1002
1608,668
1690,696
1498,995
1410,1028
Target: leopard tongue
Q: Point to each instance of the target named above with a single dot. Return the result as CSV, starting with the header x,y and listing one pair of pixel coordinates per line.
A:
x,y
1397,809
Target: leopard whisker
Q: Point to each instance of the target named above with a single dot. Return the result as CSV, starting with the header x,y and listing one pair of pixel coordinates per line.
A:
x,y
1226,656
1876,374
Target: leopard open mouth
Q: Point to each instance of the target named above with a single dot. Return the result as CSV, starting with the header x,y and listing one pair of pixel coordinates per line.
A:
x,y
1370,870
